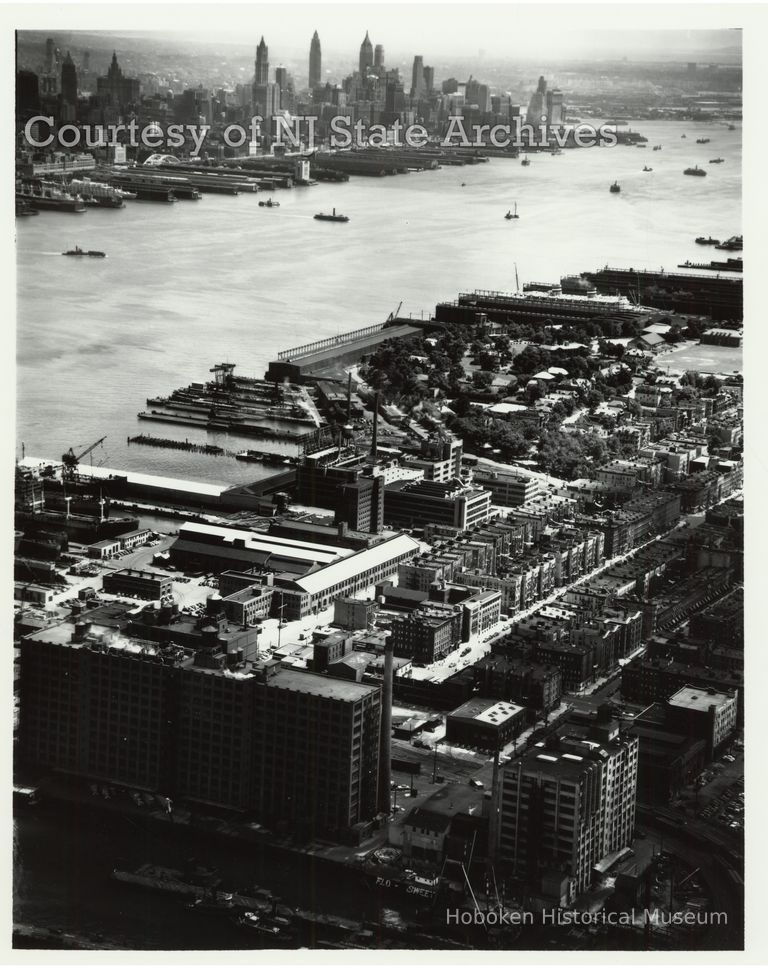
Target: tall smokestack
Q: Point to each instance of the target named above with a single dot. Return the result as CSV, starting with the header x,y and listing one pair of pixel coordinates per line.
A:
x,y
375,438
385,746
349,398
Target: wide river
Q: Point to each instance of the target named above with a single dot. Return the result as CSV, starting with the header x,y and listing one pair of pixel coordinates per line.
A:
x,y
190,284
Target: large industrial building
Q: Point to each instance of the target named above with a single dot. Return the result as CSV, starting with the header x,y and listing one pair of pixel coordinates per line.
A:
x,y
298,750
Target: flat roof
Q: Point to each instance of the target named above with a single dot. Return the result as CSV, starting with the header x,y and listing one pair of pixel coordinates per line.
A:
x,y
488,711
693,697
143,480
318,685
356,563
263,542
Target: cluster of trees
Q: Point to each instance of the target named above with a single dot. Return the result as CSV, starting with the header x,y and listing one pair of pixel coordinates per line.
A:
x,y
570,455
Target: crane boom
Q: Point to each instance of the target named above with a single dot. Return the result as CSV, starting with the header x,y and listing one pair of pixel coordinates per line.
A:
x,y
71,459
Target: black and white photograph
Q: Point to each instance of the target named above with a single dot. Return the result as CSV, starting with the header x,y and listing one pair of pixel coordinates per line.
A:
x,y
378,479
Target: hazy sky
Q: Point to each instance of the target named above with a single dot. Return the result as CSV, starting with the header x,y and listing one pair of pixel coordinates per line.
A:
x,y
513,31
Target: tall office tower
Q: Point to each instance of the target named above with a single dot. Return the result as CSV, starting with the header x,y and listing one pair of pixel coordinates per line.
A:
x,y
281,83
378,57
417,83
261,72
537,105
564,807
429,79
315,62
68,81
555,108
86,60
50,55
366,55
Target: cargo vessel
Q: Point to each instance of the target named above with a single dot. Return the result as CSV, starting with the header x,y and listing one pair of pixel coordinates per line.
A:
x,y
47,197
695,171
333,217
94,253
615,188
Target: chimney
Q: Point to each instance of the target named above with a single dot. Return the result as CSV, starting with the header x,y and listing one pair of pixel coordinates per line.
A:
x,y
385,746
349,398
375,437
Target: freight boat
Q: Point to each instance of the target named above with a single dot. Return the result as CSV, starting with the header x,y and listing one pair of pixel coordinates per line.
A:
x,y
702,141
270,204
97,193
323,217
615,188
700,240
734,244
716,161
695,171
94,253
49,197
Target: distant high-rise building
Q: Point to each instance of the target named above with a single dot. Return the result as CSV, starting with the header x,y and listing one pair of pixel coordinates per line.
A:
x,y
537,105
450,86
418,86
378,57
429,79
261,72
68,80
366,55
50,55
315,62
115,90
86,60
555,109
281,76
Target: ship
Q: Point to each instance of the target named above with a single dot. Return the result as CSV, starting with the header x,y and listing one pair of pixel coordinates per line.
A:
x,y
49,197
525,162
700,240
683,136
731,127
657,147
270,204
716,161
96,193
94,253
734,244
615,188
702,141
695,171
323,217
511,214
646,168
730,265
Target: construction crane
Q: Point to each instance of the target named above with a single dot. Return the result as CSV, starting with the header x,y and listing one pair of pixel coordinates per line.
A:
x,y
70,460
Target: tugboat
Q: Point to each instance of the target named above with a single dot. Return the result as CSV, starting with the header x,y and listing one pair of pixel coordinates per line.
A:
x,y
322,217
682,136
716,161
702,141
269,204
695,171
94,253
615,188
514,214
700,240
526,161
646,168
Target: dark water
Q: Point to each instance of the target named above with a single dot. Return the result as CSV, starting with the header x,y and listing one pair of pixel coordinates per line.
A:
x,y
63,857
187,285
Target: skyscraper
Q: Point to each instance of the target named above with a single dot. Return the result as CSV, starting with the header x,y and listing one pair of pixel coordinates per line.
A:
x,y
555,108
418,86
281,81
68,81
378,56
537,105
261,72
429,79
366,55
315,62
